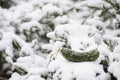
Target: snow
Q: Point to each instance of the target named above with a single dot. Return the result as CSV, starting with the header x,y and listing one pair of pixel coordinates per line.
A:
x,y
50,8
34,15
80,71
61,20
76,35
117,50
27,63
29,25
16,76
114,68
41,27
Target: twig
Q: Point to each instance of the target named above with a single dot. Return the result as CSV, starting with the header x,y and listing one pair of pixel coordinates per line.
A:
x,y
53,56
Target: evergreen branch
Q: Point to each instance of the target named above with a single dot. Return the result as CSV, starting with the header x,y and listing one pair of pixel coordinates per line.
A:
x,y
112,14
89,16
114,6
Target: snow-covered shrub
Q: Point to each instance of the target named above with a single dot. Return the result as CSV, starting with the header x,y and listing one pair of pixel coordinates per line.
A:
x,y
31,28
98,19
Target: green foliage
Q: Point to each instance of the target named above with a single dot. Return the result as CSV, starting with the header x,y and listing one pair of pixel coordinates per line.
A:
x,y
110,43
3,71
108,13
16,45
20,70
2,58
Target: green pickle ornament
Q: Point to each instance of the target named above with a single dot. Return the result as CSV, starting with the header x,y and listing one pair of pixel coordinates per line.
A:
x,y
74,56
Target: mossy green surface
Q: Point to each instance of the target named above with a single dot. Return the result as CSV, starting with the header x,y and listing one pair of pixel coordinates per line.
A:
x,y
74,56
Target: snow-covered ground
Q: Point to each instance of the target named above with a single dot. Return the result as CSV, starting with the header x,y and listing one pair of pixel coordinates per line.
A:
x,y
33,30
